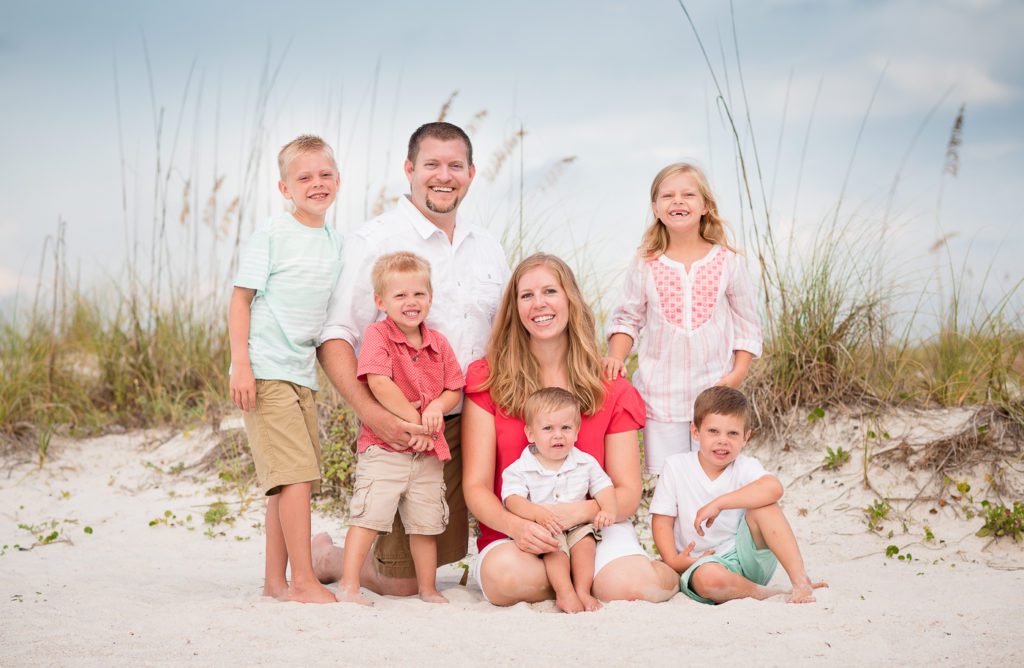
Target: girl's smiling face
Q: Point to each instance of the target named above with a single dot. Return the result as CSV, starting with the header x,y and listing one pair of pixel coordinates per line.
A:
x,y
542,304
679,203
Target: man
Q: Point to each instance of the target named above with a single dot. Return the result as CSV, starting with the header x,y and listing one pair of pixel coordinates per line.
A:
x,y
469,271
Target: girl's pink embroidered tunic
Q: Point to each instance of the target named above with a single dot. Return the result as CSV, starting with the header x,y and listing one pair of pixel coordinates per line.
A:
x,y
685,327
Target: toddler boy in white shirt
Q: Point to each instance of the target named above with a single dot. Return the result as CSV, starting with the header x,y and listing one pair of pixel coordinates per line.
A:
x,y
551,470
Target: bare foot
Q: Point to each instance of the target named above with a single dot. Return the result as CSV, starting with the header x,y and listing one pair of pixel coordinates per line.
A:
x,y
568,602
433,597
350,594
314,593
804,592
590,604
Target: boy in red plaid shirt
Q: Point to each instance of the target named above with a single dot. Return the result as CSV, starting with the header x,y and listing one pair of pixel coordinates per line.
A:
x,y
412,371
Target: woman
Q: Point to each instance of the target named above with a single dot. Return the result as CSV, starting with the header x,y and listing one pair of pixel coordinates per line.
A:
x,y
544,336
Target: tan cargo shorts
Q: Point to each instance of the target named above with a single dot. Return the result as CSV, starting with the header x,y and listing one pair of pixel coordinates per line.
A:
x,y
410,482
283,436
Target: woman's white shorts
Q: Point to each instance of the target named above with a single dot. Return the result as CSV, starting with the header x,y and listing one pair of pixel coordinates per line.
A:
x,y
618,540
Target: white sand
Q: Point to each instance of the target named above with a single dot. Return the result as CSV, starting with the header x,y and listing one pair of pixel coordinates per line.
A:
x,y
130,593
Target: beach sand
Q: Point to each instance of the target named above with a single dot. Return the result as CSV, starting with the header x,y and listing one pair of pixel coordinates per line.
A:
x,y
134,593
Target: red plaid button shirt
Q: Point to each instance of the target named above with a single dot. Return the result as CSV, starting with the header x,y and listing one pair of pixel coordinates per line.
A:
x,y
422,374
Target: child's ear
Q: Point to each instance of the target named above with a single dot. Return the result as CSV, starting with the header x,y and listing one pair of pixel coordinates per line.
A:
x,y
694,433
378,302
747,435
529,433
284,190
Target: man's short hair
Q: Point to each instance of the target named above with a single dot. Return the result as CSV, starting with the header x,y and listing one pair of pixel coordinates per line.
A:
x,y
548,400
401,262
441,131
721,400
302,144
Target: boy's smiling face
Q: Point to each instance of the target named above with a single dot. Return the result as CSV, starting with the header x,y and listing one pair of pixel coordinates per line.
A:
x,y
311,183
554,433
406,300
721,439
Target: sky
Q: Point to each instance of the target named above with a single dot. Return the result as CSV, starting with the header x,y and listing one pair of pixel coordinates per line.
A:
x,y
120,117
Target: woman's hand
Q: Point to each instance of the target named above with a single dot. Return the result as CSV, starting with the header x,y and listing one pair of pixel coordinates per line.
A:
x,y
533,538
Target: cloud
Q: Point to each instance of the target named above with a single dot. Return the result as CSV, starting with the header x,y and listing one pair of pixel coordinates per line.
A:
x,y
922,76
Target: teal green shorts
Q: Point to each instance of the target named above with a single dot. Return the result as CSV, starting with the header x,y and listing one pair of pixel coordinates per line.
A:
x,y
744,559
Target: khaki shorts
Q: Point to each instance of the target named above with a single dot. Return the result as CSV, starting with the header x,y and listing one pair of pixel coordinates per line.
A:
x,y
283,436
391,553
571,536
410,482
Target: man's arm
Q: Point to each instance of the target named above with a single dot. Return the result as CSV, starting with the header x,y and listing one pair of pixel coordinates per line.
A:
x,y
762,492
338,360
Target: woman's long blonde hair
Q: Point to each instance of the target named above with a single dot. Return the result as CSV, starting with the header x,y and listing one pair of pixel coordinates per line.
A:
x,y
712,226
514,371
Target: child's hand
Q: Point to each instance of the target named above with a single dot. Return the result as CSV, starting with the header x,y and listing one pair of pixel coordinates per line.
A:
x,y
548,520
603,519
686,559
421,443
613,367
432,418
706,514
243,388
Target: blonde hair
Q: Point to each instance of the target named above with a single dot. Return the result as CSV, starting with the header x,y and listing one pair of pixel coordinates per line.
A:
x,y
299,145
398,263
712,226
514,371
549,400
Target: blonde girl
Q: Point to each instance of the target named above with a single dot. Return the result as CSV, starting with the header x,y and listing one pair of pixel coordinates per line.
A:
x,y
689,306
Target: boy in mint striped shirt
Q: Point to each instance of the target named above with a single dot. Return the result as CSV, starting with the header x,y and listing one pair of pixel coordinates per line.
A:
x,y
278,306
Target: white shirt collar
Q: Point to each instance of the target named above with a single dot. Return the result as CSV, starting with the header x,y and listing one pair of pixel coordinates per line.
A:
x,y
425,228
531,463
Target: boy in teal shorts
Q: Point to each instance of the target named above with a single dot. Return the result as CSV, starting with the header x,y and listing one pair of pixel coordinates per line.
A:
x,y
723,506
278,307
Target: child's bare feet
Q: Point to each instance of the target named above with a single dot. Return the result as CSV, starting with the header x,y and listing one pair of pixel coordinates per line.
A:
x,y
804,592
590,604
433,597
568,601
310,593
276,590
349,594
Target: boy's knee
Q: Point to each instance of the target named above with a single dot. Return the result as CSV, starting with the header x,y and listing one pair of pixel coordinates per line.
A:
x,y
709,579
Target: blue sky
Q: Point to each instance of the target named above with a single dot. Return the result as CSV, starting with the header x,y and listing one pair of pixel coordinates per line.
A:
x,y
620,86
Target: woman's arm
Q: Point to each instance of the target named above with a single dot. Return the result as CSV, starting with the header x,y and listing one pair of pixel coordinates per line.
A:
x,y
622,464
479,446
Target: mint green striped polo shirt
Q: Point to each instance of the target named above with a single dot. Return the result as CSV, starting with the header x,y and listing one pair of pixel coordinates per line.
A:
x,y
293,269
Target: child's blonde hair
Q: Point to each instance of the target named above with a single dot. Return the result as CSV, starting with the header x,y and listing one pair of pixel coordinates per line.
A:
x,y
299,145
401,262
549,400
712,226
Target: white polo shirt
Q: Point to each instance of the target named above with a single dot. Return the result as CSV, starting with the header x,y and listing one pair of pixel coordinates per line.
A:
x,y
579,475
468,275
